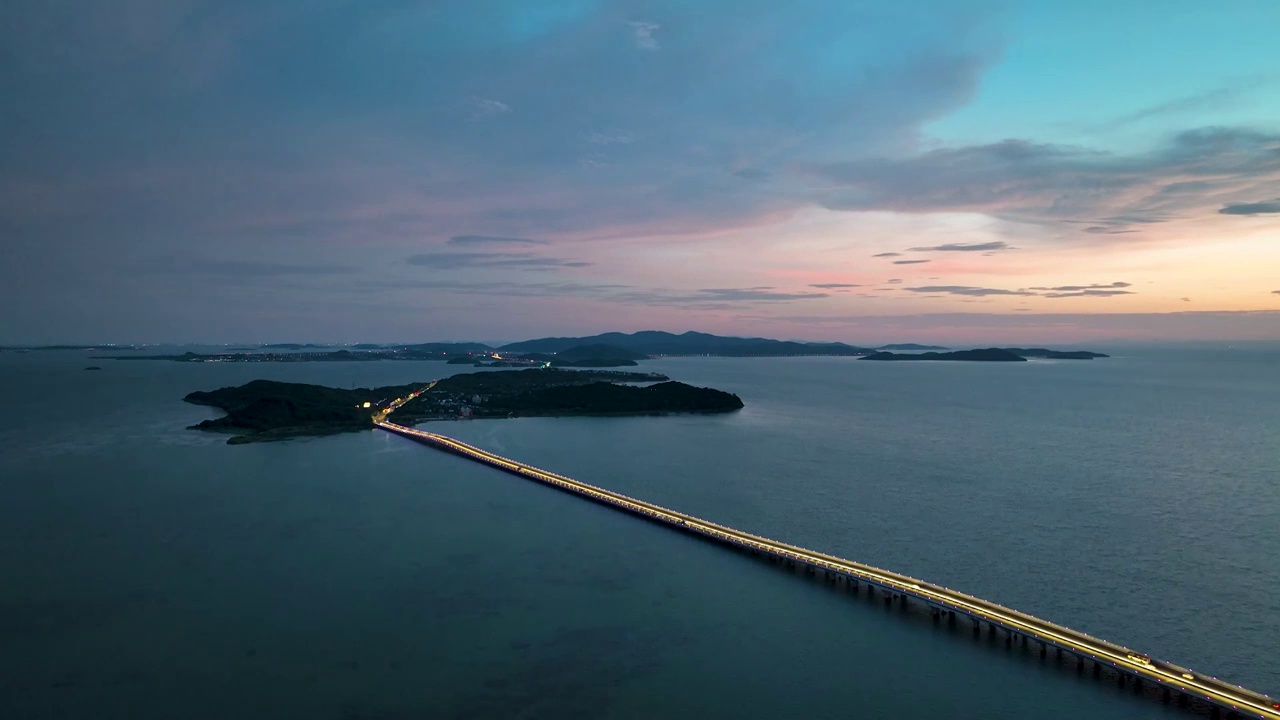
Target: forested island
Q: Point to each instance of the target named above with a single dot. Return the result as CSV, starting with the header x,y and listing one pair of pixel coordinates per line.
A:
x,y
557,392
269,410
265,410
984,355
991,355
1056,354
596,351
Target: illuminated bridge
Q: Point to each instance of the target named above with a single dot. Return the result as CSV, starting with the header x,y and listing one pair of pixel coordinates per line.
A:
x,y
1170,681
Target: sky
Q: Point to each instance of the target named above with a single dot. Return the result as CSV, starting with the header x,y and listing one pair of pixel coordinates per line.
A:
x,y
398,170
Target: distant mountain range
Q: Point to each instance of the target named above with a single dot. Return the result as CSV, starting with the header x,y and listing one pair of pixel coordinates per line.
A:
x,y
610,349
654,342
910,346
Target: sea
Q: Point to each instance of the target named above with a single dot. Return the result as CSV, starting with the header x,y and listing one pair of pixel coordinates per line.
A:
x,y
150,571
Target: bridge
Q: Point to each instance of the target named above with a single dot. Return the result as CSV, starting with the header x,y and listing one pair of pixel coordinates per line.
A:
x,y
1172,682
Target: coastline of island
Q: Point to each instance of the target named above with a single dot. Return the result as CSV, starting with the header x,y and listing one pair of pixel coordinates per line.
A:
x,y
597,351
989,355
267,410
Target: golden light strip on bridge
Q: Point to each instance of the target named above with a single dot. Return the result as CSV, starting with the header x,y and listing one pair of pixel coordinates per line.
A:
x,y
986,609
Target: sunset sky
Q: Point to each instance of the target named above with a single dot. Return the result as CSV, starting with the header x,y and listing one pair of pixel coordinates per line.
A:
x,y
325,170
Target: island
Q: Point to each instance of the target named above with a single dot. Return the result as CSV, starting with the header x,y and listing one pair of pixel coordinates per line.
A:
x,y
984,355
992,355
1056,354
611,349
265,410
649,343
561,392
911,346
269,410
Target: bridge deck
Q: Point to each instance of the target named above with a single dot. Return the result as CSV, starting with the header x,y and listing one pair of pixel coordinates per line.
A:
x,y
1124,660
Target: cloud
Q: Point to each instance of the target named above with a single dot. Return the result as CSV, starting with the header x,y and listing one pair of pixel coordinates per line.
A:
x,y
965,247
909,262
758,293
1064,291
439,113
491,240
1275,292
1210,99
643,33
1185,299
611,137
833,286
462,260
1102,230
1045,183
966,290
894,281
703,299
482,108
886,254
1088,293
1077,288
1258,208
241,268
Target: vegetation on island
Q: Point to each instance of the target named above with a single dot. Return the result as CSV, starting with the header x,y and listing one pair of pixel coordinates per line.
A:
x,y
265,410
1056,354
612,349
991,355
552,391
650,342
269,410
983,355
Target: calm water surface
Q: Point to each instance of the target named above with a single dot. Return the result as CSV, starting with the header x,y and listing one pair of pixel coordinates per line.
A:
x,y
153,572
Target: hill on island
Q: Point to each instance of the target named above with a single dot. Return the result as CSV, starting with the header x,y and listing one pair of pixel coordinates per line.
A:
x,y
1056,354
910,346
598,355
653,342
542,392
983,355
270,410
991,355
599,351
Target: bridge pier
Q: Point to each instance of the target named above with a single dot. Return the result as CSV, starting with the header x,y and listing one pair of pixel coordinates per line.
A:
x,y
1164,697
1079,662
1059,654
1137,684
991,631
1044,650
1008,638
1097,669
1120,679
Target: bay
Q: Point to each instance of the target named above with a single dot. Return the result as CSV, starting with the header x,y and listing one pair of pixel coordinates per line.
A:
x,y
152,571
